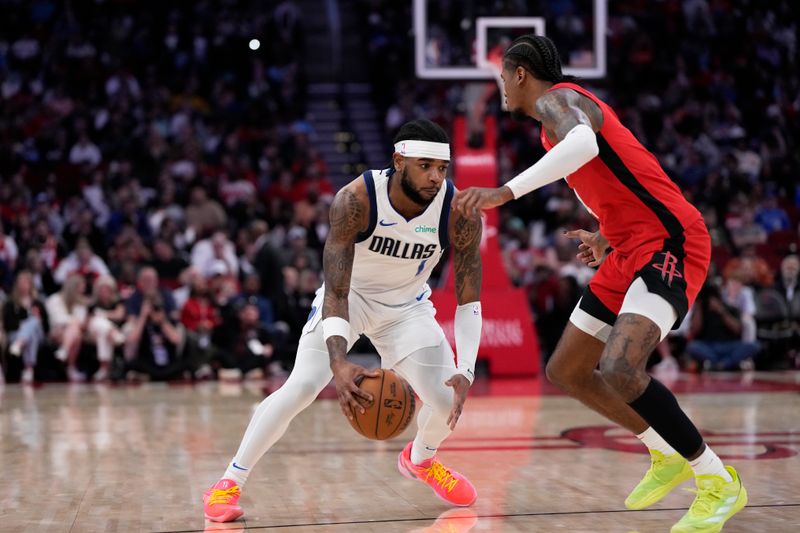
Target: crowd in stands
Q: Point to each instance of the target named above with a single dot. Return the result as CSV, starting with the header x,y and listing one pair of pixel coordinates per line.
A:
x,y
163,207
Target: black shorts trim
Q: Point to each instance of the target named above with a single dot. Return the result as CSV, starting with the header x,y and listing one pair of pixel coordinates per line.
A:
x,y
595,307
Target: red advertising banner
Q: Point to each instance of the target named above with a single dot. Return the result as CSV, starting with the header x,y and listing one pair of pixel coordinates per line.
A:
x,y
508,341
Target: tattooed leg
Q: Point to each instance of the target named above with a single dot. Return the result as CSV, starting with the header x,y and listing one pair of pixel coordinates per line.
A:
x,y
624,360
623,365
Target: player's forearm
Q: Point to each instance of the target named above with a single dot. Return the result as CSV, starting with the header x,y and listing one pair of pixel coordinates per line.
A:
x,y
466,239
578,147
337,266
468,277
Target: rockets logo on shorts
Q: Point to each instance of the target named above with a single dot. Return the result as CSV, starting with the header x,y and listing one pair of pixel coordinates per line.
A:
x,y
669,268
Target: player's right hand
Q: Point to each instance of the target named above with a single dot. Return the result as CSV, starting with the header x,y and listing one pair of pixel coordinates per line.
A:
x,y
470,201
593,246
345,375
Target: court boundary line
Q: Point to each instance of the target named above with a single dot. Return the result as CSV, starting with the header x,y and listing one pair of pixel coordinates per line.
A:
x,y
509,515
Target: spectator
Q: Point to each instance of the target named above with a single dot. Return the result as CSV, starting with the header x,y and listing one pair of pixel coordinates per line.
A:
x,y
778,316
106,315
181,294
268,265
25,322
750,268
8,256
243,342
216,253
67,312
85,153
82,261
153,341
716,333
167,263
203,214
84,228
788,283
199,314
147,288
746,232
41,276
251,292
771,216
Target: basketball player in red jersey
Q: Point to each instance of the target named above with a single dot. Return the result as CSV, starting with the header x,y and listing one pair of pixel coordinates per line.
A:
x,y
653,250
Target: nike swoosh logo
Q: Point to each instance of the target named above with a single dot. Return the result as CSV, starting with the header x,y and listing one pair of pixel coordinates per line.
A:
x,y
382,223
238,467
419,298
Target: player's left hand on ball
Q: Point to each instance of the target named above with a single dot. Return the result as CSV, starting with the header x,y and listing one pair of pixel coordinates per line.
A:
x,y
470,201
460,386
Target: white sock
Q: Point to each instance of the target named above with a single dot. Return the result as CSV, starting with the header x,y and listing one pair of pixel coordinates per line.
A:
x,y
709,463
237,473
421,452
653,441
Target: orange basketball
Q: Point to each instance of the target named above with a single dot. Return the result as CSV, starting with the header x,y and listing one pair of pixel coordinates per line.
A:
x,y
392,408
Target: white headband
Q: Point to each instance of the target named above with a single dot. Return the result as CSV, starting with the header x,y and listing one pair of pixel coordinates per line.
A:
x,y
423,149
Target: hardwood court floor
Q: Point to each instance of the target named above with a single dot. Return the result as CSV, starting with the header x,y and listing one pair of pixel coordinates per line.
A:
x,y
95,458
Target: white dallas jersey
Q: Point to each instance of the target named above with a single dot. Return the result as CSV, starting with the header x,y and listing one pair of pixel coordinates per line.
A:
x,y
394,256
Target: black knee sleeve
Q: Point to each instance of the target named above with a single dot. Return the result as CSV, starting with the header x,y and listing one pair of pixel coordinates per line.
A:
x,y
659,407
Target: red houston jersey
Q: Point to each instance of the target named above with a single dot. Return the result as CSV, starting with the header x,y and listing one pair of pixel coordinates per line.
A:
x,y
625,188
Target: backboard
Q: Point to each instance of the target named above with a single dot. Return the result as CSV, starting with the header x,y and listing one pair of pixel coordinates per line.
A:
x,y
456,40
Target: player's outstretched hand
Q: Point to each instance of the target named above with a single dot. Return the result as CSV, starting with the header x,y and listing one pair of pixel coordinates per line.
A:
x,y
592,250
345,375
460,386
470,201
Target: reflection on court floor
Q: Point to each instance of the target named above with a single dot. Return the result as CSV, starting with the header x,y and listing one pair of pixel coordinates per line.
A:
x,y
136,458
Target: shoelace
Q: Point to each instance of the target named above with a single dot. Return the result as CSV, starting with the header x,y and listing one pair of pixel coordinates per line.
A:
x,y
705,501
223,495
442,475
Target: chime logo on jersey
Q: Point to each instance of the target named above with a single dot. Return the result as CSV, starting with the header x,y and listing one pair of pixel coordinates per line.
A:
x,y
399,249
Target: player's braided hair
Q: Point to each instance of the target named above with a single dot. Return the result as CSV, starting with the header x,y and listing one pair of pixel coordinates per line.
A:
x,y
536,54
421,130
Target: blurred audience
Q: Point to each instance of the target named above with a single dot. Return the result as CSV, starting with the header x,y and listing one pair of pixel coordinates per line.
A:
x,y
719,330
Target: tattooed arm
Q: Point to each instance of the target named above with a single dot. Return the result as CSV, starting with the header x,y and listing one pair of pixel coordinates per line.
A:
x,y
571,121
465,235
349,215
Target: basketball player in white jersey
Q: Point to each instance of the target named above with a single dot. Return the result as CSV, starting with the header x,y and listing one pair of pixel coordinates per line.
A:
x,y
389,228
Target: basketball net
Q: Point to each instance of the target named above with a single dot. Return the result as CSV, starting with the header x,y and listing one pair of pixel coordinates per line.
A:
x,y
494,63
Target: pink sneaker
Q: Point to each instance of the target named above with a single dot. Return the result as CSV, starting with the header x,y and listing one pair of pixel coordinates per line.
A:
x,y
448,485
219,502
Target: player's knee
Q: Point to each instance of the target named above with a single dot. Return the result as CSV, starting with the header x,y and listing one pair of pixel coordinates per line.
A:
x,y
306,387
562,376
440,400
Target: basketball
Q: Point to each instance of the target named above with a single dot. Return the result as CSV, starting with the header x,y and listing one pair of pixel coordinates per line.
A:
x,y
391,410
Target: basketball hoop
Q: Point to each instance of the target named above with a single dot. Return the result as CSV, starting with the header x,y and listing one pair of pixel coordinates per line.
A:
x,y
494,62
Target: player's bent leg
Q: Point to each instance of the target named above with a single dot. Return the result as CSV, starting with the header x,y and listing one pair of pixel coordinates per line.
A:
x,y
573,368
269,422
426,370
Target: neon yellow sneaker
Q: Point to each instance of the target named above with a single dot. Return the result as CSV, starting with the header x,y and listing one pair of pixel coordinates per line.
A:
x,y
717,500
666,472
